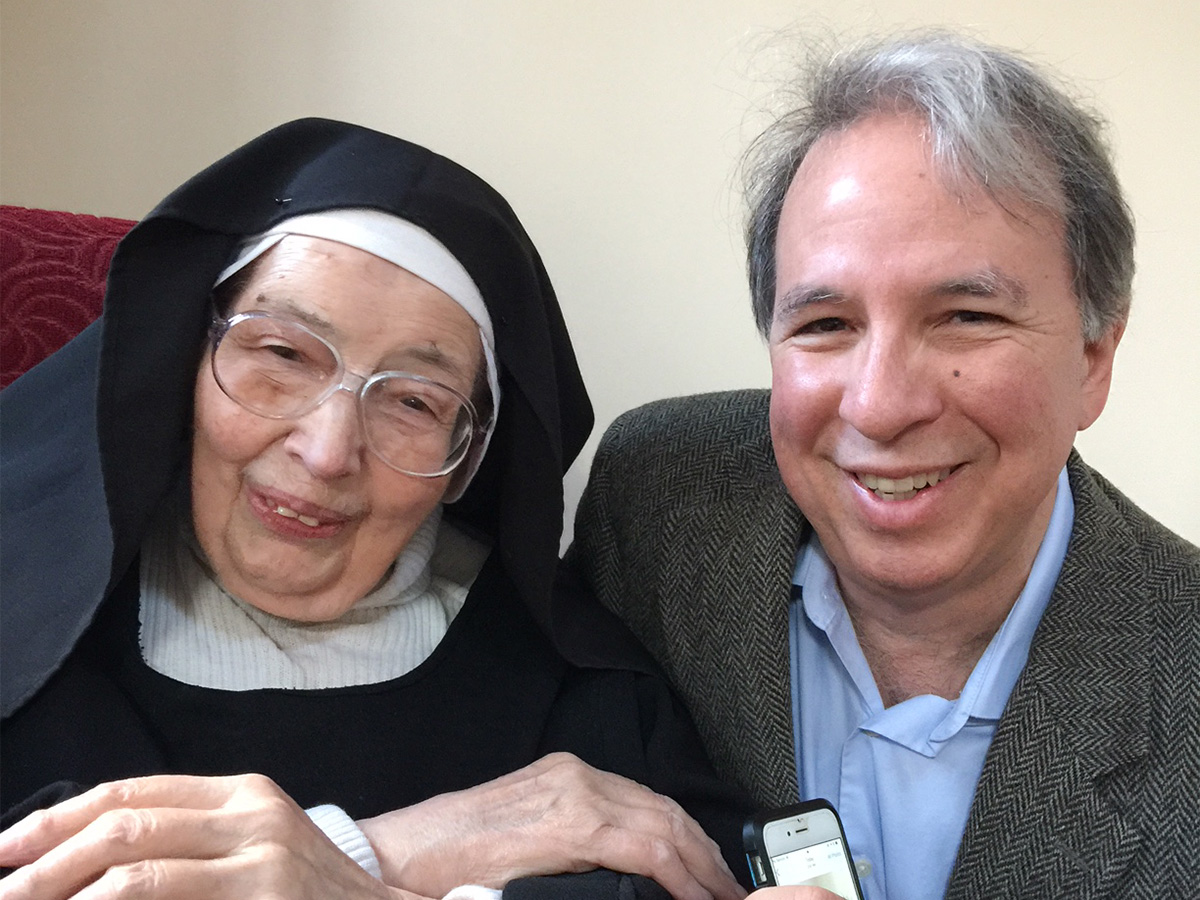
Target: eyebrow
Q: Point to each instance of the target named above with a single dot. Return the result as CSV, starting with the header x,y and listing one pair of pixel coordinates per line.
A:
x,y
986,283
801,295
296,311
431,355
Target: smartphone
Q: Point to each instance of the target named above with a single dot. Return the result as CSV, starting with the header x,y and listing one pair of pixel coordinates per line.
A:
x,y
803,845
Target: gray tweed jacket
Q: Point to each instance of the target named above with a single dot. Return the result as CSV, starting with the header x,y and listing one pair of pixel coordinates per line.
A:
x,y
1091,788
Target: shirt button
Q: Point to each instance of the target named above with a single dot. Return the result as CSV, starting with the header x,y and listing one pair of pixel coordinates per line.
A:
x,y
863,867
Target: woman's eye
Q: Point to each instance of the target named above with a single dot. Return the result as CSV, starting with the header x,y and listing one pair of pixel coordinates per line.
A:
x,y
409,407
284,352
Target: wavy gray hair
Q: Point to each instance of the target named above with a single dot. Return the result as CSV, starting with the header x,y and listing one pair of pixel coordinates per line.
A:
x,y
994,120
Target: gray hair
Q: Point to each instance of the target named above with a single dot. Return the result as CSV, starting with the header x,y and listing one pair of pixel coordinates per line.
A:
x,y
994,121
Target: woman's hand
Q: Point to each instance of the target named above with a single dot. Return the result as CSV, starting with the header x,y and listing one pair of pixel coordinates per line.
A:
x,y
556,815
794,893
180,837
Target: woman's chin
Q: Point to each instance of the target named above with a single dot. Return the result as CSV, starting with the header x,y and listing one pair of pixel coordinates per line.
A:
x,y
297,583
294,592
301,607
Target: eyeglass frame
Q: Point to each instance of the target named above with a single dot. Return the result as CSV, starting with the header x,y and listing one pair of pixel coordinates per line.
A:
x,y
219,326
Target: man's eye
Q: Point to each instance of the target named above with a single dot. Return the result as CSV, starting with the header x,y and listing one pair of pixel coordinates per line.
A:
x,y
823,326
974,317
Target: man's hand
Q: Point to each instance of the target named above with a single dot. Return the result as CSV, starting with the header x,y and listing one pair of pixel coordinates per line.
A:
x,y
180,837
556,815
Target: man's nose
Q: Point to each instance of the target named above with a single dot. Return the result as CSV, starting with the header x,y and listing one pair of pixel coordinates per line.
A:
x,y
889,387
329,439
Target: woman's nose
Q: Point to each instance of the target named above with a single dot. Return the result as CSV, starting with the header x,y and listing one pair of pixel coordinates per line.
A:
x,y
888,388
329,439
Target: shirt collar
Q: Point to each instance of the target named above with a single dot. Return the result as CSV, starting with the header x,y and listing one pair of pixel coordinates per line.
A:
x,y
991,681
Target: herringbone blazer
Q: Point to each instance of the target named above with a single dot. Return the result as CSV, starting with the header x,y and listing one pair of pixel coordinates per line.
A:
x,y
1091,785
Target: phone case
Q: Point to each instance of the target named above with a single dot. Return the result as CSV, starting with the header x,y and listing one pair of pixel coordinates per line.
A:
x,y
752,839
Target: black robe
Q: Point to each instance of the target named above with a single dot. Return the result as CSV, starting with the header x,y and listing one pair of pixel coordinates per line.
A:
x,y
97,436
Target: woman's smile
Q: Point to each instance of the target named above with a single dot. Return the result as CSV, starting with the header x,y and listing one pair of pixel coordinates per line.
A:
x,y
292,517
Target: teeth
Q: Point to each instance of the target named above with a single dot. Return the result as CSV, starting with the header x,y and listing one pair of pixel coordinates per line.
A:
x,y
292,514
901,488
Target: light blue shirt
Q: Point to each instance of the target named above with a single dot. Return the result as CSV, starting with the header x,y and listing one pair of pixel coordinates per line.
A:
x,y
902,778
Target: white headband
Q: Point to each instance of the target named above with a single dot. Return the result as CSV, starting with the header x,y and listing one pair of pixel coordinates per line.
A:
x,y
410,247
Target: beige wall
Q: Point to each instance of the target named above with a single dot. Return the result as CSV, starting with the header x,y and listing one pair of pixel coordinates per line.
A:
x,y
613,128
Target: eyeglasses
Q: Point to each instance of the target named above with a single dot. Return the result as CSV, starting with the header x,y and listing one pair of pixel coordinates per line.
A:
x,y
279,369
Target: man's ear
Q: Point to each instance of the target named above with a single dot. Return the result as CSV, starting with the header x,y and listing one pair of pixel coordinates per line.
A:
x,y
1097,375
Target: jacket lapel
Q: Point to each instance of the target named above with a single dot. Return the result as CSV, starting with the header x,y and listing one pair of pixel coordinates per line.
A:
x,y
1045,815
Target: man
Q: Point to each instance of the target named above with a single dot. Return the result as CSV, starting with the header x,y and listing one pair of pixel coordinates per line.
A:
x,y
890,581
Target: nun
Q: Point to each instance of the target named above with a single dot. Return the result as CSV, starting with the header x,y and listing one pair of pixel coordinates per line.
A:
x,y
282,613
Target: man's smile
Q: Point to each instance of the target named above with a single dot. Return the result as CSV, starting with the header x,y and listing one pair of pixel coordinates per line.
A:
x,y
904,488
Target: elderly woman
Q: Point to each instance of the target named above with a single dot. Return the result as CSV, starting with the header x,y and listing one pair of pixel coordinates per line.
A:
x,y
292,508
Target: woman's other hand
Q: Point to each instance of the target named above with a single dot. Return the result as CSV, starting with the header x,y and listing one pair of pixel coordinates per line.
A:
x,y
180,837
794,893
557,815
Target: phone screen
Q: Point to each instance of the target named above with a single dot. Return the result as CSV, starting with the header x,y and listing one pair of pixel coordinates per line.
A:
x,y
820,865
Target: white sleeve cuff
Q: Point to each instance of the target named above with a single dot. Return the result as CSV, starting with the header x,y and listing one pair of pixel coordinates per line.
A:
x,y
340,829
349,838
473,892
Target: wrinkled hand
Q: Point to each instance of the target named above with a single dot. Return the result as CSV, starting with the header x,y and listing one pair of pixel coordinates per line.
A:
x,y
556,815
180,837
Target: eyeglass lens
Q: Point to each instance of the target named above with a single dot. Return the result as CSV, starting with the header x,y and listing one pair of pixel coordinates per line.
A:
x,y
280,369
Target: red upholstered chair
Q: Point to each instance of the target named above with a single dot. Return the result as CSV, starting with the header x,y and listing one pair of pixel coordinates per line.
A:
x,y
52,271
